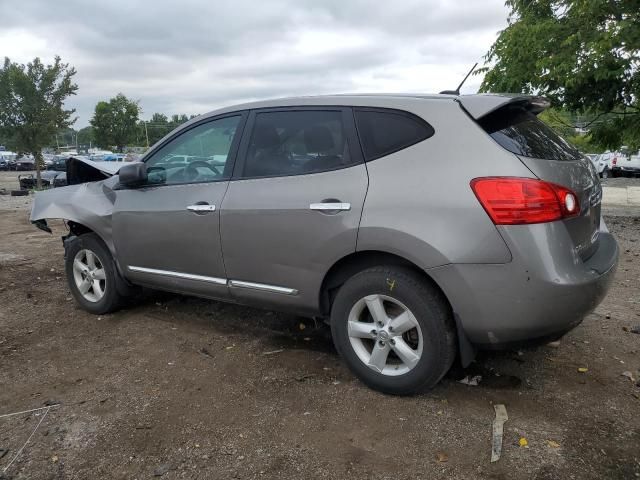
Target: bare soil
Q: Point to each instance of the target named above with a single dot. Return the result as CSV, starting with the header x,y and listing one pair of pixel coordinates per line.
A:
x,y
188,388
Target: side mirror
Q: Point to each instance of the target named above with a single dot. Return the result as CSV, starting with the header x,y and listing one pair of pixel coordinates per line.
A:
x,y
133,174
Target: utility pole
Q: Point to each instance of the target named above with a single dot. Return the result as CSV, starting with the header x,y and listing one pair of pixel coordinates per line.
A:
x,y
146,133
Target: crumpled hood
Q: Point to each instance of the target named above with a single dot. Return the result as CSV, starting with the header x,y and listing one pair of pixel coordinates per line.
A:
x,y
80,170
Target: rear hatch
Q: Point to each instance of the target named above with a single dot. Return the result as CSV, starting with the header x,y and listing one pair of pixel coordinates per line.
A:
x,y
516,128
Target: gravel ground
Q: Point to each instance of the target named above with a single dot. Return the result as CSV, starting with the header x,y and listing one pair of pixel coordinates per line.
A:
x,y
188,388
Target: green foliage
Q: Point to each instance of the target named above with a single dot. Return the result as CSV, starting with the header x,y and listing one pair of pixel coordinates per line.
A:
x,y
85,135
159,125
32,100
114,122
582,54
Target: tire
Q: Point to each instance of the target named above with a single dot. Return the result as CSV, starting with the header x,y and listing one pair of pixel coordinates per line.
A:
x,y
605,173
19,193
100,298
431,337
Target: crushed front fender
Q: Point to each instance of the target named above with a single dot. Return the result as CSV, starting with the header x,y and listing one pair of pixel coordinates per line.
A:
x,y
87,204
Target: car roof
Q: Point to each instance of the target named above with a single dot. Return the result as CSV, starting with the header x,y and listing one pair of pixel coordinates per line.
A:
x,y
476,104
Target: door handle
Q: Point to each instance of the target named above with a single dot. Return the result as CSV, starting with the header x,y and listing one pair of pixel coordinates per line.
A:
x,y
201,208
330,206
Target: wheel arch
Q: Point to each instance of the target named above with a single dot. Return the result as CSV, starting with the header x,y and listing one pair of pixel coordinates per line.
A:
x,y
351,264
355,262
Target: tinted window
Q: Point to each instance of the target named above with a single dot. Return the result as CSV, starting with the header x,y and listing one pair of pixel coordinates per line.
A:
x,y
386,131
522,133
197,155
296,143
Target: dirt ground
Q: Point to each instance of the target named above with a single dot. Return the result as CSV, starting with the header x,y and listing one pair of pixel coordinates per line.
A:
x,y
188,388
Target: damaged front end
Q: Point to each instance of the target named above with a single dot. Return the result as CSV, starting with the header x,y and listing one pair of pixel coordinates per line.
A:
x,y
86,204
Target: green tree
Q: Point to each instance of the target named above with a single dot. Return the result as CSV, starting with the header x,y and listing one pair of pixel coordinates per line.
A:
x,y
583,55
85,135
115,122
32,100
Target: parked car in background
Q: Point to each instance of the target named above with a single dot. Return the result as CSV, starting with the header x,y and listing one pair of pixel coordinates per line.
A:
x,y
8,160
25,163
626,165
365,210
59,164
602,163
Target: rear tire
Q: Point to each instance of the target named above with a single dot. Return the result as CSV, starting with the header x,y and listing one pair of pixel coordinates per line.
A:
x,y
92,276
394,330
605,173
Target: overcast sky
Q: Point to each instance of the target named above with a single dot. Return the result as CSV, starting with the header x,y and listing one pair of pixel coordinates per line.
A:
x,y
194,56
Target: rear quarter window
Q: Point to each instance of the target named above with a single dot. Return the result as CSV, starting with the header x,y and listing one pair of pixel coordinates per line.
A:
x,y
385,131
521,132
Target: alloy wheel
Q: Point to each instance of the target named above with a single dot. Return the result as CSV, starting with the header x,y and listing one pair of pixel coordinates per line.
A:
x,y
89,275
385,335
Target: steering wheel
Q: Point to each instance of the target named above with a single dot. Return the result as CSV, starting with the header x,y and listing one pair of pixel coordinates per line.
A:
x,y
191,173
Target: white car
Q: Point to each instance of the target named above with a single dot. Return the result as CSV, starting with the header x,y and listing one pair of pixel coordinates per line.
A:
x,y
602,162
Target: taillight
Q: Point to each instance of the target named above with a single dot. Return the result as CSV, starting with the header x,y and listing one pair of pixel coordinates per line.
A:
x,y
517,201
615,160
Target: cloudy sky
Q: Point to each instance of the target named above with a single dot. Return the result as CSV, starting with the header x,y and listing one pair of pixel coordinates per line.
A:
x,y
194,56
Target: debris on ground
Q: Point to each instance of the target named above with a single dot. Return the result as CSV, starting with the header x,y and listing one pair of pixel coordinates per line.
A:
x,y
273,352
205,352
472,381
161,470
555,344
635,329
442,457
3,452
498,430
523,442
583,369
553,444
629,375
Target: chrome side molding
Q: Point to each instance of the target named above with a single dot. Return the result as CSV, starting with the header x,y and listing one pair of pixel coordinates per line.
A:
x,y
263,287
218,281
187,276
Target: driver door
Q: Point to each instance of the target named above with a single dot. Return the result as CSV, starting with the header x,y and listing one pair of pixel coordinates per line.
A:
x,y
167,231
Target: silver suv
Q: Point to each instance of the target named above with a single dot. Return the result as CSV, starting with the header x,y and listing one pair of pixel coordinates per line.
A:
x,y
420,227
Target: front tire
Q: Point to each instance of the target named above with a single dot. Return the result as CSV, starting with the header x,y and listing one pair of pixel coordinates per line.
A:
x,y
605,173
91,275
394,330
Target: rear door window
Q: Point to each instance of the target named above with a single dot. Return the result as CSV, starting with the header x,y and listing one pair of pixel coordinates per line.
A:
x,y
297,142
385,131
521,132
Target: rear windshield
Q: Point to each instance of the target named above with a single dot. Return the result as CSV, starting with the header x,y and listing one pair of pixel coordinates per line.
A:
x,y
522,133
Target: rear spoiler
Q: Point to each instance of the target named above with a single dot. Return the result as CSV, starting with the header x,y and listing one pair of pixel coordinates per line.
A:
x,y
480,105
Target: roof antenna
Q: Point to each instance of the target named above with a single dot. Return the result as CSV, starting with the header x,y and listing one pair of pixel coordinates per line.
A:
x,y
457,90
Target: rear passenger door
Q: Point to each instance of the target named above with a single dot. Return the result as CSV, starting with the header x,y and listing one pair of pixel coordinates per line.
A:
x,y
293,206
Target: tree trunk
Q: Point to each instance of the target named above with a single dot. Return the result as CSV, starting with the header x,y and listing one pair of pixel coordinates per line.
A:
x,y
37,156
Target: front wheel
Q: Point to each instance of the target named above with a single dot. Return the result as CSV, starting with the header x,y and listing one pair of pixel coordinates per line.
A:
x,y
394,330
91,275
605,173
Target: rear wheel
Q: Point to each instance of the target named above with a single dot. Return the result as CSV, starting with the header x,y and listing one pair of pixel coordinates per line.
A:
x,y
605,173
394,330
91,275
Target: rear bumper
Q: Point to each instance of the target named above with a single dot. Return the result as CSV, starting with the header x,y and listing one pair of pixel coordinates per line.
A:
x,y
543,293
